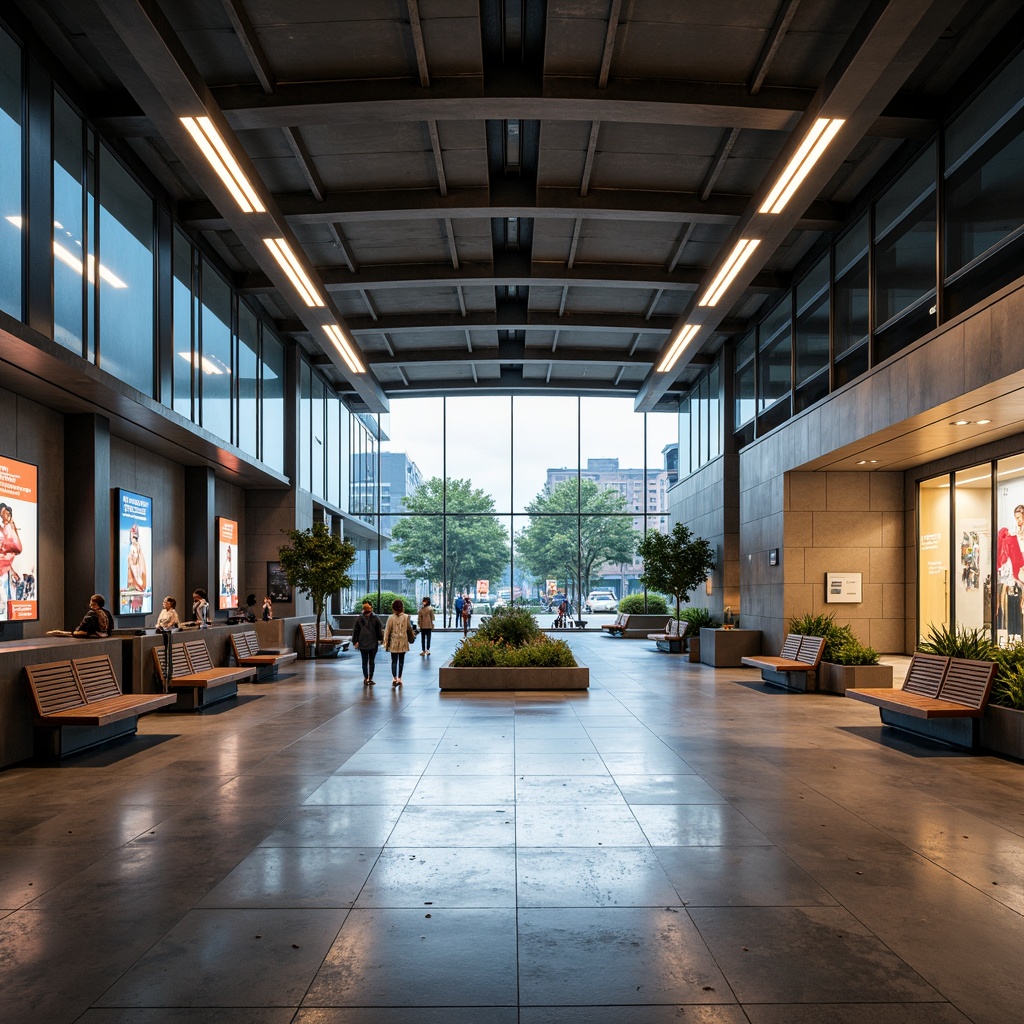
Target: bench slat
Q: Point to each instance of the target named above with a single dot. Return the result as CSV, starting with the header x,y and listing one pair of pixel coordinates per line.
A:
x,y
791,648
54,687
96,677
926,674
968,682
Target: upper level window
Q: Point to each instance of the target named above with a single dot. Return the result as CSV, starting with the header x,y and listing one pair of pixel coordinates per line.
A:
x,y
11,213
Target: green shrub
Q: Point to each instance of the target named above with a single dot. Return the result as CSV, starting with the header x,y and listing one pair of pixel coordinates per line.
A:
x,y
511,626
384,599
633,604
959,643
539,652
853,652
1008,688
698,619
834,635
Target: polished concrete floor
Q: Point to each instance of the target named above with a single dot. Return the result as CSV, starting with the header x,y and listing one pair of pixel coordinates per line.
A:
x,y
678,844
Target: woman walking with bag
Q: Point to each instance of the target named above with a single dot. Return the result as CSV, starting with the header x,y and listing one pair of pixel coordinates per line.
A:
x,y
366,637
425,618
398,635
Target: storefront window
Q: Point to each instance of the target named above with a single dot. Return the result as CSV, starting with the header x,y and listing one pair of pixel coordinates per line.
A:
x,y
973,535
933,554
11,215
126,277
1009,564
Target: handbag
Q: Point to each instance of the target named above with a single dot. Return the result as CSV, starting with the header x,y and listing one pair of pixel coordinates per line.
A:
x,y
409,631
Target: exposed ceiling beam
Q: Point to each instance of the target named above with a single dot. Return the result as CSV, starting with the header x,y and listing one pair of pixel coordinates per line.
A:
x,y
718,162
510,269
435,145
609,45
251,44
417,42
309,171
513,199
342,243
771,45
558,98
509,352
588,163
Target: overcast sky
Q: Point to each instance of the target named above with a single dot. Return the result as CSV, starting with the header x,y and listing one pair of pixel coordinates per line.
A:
x,y
481,445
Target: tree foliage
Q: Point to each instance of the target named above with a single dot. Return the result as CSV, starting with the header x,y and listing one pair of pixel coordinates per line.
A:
x,y
550,547
675,564
316,564
469,544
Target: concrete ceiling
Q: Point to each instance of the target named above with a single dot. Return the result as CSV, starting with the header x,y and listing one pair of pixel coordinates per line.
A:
x,y
517,195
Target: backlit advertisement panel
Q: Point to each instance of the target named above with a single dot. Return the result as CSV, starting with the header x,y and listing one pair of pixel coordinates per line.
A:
x,y
135,553
228,560
19,541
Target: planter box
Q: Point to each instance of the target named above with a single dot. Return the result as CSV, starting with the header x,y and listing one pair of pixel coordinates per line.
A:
x,y
1002,730
577,678
840,678
723,648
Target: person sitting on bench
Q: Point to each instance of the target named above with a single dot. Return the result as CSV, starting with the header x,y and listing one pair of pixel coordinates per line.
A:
x,y
97,622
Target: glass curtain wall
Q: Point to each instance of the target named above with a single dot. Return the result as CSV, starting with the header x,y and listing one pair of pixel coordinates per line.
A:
x,y
70,244
523,499
11,182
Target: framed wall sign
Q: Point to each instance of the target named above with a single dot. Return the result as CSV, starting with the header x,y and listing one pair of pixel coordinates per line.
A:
x,y
843,588
19,541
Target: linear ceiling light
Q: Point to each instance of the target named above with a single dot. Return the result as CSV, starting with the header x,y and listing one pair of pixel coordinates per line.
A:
x,y
282,252
822,132
341,343
208,139
732,266
682,339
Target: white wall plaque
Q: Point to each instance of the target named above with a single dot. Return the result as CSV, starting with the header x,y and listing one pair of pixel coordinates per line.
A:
x,y
843,588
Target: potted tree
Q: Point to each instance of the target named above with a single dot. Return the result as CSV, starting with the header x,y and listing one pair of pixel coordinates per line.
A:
x,y
317,563
676,564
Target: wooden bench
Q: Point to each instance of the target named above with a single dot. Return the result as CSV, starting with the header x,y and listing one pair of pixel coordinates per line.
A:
x,y
796,667
308,639
197,682
672,638
78,704
245,647
613,628
942,699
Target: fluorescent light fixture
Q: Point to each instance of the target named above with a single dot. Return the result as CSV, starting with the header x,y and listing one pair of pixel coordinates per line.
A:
x,y
982,423
282,252
682,339
821,133
213,147
341,343
740,254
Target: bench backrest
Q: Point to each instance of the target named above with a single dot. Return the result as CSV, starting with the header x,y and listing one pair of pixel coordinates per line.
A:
x,y
54,687
623,620
96,677
681,626
811,648
198,655
925,675
179,661
309,632
968,682
791,648
245,644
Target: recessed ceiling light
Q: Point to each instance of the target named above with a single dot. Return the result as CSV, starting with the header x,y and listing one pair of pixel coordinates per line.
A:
x,y
863,462
820,134
282,252
222,160
874,462
982,423
345,349
959,423
741,252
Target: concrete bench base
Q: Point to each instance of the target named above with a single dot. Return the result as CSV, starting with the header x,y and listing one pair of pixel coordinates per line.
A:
x,y
798,682
53,743
194,697
957,732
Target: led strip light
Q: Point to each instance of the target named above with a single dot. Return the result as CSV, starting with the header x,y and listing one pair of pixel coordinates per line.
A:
x,y
682,339
732,266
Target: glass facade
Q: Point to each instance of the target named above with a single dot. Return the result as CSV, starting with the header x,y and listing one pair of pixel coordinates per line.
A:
x,y
511,498
215,362
126,277
11,185
70,242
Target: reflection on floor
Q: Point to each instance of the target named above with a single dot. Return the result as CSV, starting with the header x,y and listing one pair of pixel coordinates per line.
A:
x,y
678,844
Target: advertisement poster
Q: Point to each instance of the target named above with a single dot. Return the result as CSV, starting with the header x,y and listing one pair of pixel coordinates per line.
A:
x,y
1010,560
278,587
228,560
19,541
135,552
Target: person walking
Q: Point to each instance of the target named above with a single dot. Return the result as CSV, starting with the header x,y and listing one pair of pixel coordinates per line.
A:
x,y
397,636
467,615
425,620
366,637
459,601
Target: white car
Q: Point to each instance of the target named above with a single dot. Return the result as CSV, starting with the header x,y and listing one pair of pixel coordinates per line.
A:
x,y
601,601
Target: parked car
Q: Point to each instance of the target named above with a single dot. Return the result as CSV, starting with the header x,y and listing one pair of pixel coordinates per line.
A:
x,y
601,601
